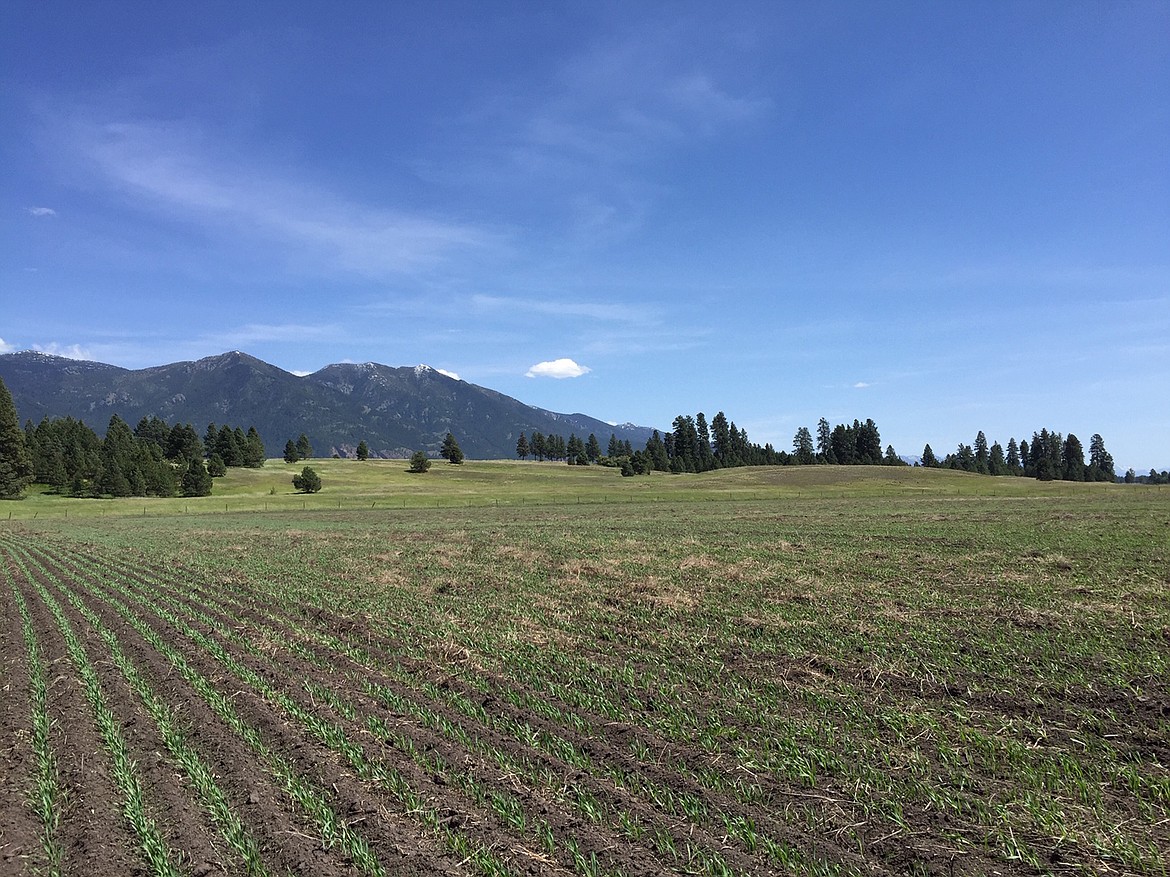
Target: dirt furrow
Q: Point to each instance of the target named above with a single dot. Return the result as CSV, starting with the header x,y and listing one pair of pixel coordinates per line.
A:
x,y
631,857
344,676
20,829
288,840
93,835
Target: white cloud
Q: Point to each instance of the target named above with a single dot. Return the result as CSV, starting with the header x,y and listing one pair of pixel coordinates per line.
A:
x,y
69,351
861,385
5,347
451,375
41,211
556,368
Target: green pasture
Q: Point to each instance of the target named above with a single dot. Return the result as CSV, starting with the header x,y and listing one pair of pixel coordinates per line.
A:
x,y
386,484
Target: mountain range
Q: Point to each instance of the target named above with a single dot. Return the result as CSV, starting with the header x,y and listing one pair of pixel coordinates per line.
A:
x,y
395,410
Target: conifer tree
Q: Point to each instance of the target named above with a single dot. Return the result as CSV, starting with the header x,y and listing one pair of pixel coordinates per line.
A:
x,y
16,465
522,450
928,458
304,449
592,449
291,454
451,449
254,454
308,481
363,450
196,480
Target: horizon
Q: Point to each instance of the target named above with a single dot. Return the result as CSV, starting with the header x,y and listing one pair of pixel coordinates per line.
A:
x,y
945,218
911,458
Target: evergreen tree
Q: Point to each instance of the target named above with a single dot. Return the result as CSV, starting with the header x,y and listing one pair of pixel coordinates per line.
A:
x,y
592,449
522,447
153,429
419,462
825,443
928,458
721,440
118,475
802,447
996,464
183,443
16,464
254,453
363,450
227,445
891,458
656,448
308,481
304,449
196,480
451,450
291,454
614,449
216,467
704,457
1072,462
1100,460
537,445
982,454
1012,460
210,438
575,451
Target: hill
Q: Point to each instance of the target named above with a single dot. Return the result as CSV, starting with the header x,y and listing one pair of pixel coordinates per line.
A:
x,y
396,410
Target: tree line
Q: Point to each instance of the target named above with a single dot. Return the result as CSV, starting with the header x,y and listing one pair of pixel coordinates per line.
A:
x,y
153,459
694,445
1049,457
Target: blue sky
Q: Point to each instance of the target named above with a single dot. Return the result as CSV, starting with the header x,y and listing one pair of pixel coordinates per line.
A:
x,y
945,216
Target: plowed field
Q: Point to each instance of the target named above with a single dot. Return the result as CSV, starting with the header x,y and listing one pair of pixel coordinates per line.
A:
x,y
727,691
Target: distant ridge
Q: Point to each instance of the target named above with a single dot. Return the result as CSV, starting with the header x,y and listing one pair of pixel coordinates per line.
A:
x,y
395,410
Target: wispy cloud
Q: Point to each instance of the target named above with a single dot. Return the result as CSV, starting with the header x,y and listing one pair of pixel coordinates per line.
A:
x,y
5,347
557,368
861,385
254,333
41,211
170,168
69,351
601,311
449,374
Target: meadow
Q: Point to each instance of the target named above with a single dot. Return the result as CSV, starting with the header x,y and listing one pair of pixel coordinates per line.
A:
x,y
509,668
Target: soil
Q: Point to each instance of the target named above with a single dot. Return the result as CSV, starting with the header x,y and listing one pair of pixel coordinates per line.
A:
x,y
455,763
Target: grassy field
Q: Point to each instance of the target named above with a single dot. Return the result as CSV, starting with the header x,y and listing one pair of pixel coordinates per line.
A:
x,y
508,668
385,484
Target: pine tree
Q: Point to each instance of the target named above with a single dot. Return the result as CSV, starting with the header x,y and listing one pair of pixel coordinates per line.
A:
x,y
592,449
522,447
982,454
196,480
419,462
16,465
304,449
825,443
928,458
308,481
1012,461
1072,462
291,454
254,454
802,447
363,450
1100,460
451,449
